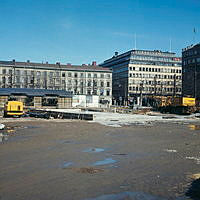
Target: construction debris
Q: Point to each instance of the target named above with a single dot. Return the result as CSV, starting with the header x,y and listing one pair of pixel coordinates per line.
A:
x,y
2,126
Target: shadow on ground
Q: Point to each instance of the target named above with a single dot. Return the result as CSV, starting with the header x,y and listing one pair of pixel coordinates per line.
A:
x,y
194,190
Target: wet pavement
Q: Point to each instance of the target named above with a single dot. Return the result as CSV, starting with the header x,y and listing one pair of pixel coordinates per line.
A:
x,y
127,196
86,161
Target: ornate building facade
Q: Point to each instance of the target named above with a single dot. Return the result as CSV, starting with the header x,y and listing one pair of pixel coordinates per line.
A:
x,y
79,79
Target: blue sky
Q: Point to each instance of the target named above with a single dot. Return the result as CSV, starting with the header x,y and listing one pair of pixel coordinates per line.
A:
x,y
82,31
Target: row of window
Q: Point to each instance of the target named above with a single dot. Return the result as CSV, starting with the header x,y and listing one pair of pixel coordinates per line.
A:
x,y
25,80
140,62
154,53
152,82
158,76
191,52
151,89
153,58
147,69
57,74
190,61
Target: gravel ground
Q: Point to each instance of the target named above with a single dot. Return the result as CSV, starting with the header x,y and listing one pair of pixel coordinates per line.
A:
x,y
77,160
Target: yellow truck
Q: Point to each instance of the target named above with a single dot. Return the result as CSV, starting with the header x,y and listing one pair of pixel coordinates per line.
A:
x,y
178,105
13,108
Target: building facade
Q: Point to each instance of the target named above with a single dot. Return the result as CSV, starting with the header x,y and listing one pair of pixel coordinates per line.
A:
x,y
140,73
80,80
191,71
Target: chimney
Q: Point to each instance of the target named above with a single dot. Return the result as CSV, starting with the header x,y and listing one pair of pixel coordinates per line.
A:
x,y
13,60
94,63
47,62
28,61
58,63
116,53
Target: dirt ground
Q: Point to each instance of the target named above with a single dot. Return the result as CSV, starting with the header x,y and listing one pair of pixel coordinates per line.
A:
x,y
77,160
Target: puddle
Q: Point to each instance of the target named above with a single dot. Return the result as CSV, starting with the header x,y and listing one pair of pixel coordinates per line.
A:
x,y
94,150
107,161
87,170
128,196
170,150
194,127
120,154
66,164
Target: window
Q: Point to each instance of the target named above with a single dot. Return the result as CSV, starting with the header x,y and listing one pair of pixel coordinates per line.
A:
x,y
44,74
18,80
69,82
4,71
108,92
17,72
38,73
108,84
75,75
101,92
95,92
102,84
94,83
89,75
108,76
89,84
63,74
95,75
69,74
102,75
89,92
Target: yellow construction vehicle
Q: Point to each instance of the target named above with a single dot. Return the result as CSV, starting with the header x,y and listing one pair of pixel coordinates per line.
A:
x,y
13,108
177,105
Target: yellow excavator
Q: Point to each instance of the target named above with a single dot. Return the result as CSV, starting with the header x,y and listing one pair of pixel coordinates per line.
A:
x,y
177,105
13,108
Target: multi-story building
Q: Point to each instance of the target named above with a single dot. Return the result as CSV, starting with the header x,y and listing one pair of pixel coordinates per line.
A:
x,y
138,73
191,71
82,79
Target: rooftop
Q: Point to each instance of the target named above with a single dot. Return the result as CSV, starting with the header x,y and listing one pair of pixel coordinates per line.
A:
x,y
157,53
191,46
58,65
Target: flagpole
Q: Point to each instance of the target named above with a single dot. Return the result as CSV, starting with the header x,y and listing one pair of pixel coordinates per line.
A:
x,y
194,38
